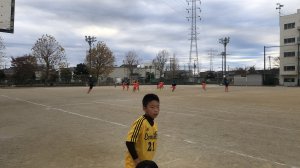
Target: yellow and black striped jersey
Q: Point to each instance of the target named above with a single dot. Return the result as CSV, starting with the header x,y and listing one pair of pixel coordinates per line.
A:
x,y
144,136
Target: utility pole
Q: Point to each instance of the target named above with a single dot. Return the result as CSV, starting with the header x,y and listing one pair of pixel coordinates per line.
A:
x,y
222,55
269,62
194,69
224,41
192,11
211,56
90,40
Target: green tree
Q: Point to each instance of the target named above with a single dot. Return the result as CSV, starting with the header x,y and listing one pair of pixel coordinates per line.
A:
x,y
65,75
102,60
2,75
24,69
49,53
81,72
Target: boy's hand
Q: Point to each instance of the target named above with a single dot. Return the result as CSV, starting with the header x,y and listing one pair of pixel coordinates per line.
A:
x,y
137,161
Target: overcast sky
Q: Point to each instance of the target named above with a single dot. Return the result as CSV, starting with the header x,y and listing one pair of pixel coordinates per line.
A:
x,y
148,26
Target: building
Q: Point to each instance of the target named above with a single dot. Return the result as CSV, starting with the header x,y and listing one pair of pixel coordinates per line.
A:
x,y
248,80
140,72
289,50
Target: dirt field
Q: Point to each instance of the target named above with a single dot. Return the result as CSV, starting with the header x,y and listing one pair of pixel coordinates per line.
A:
x,y
248,127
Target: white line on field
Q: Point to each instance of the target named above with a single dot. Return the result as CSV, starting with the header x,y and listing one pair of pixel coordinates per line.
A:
x,y
209,117
257,158
68,112
188,141
193,115
242,154
229,120
25,101
73,104
112,104
231,151
93,118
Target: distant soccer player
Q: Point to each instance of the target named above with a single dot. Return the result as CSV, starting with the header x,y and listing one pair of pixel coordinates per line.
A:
x,y
142,136
134,86
161,85
123,85
226,83
203,85
91,83
173,85
127,85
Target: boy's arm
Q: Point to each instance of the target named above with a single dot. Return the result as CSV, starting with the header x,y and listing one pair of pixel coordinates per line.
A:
x,y
131,149
132,138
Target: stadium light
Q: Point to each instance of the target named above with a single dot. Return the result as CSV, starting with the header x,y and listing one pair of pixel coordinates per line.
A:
x,y
224,41
90,40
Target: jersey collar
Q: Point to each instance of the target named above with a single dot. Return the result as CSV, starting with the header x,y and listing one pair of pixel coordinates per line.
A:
x,y
149,119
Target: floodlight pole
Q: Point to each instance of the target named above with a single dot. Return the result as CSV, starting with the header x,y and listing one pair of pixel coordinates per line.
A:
x,y
90,40
224,41
279,6
264,75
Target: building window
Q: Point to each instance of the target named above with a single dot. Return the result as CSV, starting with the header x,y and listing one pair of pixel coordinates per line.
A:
x,y
289,79
289,40
289,54
289,68
289,26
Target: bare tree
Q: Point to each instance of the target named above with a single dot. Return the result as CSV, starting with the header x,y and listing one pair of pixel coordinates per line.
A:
x,y
252,69
241,71
49,53
174,65
2,48
160,61
276,62
131,61
102,60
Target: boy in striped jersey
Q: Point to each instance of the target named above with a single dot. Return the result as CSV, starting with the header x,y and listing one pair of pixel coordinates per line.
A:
x,y
142,136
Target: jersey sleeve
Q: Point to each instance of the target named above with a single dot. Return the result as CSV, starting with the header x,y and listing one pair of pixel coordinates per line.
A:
x,y
134,131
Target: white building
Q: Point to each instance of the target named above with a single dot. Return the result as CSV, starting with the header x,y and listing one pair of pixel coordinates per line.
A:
x,y
122,72
289,50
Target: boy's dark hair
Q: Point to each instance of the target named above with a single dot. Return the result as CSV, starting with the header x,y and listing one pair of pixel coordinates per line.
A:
x,y
148,98
147,164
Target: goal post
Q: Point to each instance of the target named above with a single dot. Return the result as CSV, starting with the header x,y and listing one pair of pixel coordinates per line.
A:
x,y
7,15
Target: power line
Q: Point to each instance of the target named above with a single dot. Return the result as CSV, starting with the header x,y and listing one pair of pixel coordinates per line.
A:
x,y
167,4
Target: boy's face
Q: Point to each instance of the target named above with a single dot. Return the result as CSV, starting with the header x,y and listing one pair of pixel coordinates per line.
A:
x,y
152,109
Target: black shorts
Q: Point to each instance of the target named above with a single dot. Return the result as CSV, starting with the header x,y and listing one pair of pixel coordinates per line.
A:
x,y
91,86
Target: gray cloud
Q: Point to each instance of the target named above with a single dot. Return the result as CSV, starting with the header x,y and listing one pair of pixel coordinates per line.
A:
x,y
148,26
